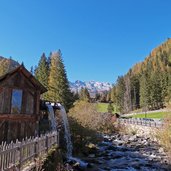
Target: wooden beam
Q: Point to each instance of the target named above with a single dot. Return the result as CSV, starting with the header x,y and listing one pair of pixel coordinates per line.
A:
x,y
1,124
17,117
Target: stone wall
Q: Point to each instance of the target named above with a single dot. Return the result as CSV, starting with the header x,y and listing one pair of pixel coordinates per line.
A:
x,y
140,130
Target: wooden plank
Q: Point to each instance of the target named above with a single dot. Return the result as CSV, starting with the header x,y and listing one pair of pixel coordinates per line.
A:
x,y
37,103
6,132
18,117
1,124
24,101
22,88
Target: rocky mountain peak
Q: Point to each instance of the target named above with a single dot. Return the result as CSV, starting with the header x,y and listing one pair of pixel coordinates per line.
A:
x,y
92,86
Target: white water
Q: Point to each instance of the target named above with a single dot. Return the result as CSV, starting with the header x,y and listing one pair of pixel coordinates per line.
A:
x,y
52,117
67,132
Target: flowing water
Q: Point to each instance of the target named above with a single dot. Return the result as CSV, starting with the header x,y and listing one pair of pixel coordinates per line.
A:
x,y
67,132
52,117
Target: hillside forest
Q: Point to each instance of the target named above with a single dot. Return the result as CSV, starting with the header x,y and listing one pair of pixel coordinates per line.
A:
x,y
147,85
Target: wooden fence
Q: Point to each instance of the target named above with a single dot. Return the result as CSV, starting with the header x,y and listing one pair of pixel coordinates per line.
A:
x,y
141,122
23,154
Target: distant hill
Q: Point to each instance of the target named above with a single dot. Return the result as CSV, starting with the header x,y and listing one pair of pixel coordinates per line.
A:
x,y
92,86
7,64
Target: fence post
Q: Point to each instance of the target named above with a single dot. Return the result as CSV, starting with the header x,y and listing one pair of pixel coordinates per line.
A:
x,y
20,156
36,150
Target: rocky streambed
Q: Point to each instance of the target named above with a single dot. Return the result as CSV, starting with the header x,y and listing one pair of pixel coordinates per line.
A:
x,y
125,152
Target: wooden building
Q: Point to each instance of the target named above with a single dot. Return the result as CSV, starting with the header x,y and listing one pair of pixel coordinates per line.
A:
x,y
19,104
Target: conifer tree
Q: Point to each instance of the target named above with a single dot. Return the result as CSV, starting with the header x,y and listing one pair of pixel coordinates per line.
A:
x,y
32,70
49,60
108,98
110,108
127,94
75,96
164,78
42,73
84,94
156,91
59,90
144,96
114,95
120,91
135,88
169,88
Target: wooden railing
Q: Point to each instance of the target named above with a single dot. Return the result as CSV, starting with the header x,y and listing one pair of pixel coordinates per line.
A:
x,y
143,122
23,154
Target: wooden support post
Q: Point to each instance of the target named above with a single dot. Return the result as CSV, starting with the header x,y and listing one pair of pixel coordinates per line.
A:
x,y
36,149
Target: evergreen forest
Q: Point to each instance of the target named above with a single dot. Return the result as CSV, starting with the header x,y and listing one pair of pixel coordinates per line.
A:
x,y
146,85
52,74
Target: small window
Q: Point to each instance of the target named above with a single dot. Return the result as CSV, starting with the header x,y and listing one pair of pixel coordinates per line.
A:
x,y
16,101
29,104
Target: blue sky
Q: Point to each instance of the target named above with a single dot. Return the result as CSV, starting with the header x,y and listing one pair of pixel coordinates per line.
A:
x,y
99,39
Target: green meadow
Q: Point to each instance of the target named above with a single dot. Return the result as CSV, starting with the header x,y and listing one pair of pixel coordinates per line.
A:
x,y
102,107
155,115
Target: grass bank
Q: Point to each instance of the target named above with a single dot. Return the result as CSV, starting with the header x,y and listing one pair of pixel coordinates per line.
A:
x,y
155,115
102,107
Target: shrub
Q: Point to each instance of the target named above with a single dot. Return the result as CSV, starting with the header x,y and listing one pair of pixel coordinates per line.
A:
x,y
87,116
164,136
87,124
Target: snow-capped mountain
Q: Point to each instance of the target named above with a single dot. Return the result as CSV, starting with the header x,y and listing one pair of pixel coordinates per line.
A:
x,y
92,86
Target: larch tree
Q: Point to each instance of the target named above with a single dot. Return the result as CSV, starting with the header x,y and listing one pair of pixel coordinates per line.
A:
x,y
108,98
59,90
84,94
114,95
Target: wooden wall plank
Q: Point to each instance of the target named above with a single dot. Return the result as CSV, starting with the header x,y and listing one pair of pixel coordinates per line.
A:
x,y
17,117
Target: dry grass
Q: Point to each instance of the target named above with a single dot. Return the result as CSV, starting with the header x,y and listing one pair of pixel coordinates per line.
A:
x,y
164,136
